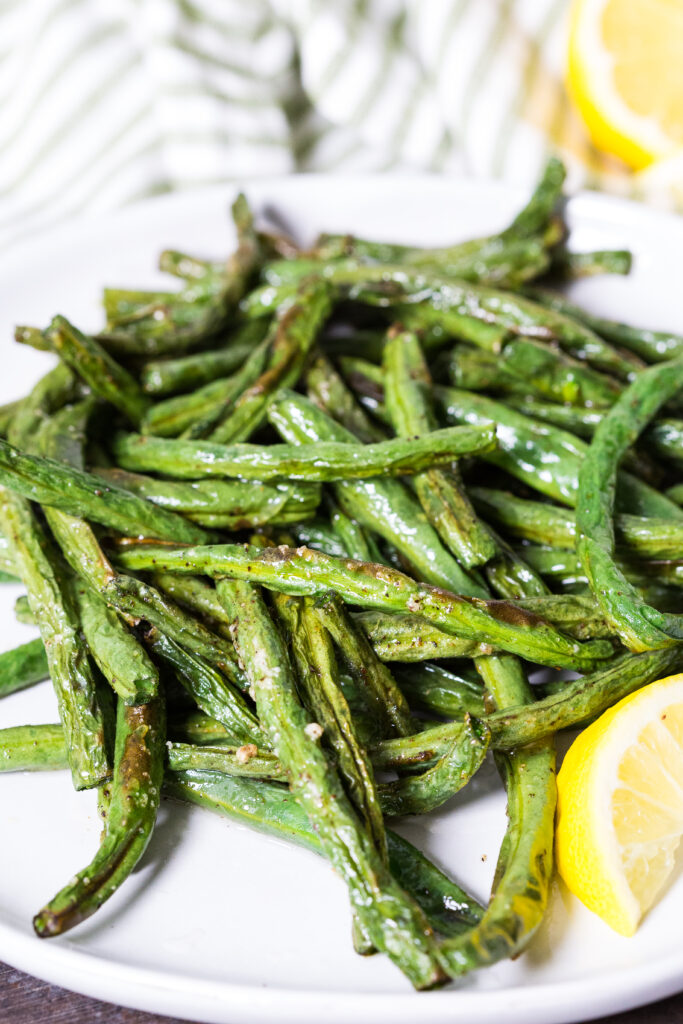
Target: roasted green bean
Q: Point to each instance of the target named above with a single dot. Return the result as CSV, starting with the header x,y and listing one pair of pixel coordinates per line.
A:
x,y
640,626
304,571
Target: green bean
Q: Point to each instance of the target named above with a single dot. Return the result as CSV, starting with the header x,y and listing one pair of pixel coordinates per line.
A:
x,y
295,331
320,535
353,340
571,265
407,638
118,655
556,563
547,524
331,460
384,506
198,596
133,598
367,389
544,457
378,686
640,626
7,415
53,391
22,611
419,794
576,614
208,746
63,435
581,700
440,491
304,571
403,637
437,331
33,337
653,346
135,794
416,751
476,369
525,865
432,687
564,568
510,576
583,423
535,215
70,670
502,263
655,581
391,921
98,369
207,424
41,747
208,688
243,504
246,761
32,748
665,438
356,542
123,306
135,331
675,493
327,389
497,261
23,666
176,376
195,414
6,560
320,692
525,365
190,268
194,727
83,495
354,368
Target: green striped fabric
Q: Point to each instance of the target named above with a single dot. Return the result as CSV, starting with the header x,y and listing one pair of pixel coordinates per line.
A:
x,y
106,101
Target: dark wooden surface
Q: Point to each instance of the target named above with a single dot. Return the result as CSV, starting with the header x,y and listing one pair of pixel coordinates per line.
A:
x,y
25,1000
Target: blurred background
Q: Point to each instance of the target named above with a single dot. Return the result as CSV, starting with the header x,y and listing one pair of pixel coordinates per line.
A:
x,y
105,102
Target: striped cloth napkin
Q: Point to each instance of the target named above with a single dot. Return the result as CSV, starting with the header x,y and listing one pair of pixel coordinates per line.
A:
x,y
108,101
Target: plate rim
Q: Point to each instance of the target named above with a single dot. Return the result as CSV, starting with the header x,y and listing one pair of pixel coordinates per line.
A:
x,y
545,1003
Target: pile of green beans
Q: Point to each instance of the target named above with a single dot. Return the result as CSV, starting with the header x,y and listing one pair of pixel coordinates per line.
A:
x,y
295,535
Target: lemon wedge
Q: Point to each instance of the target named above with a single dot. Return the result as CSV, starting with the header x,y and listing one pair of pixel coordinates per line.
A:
x,y
620,805
626,75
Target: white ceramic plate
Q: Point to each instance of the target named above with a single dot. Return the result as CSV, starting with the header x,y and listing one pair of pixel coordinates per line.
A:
x,y
220,924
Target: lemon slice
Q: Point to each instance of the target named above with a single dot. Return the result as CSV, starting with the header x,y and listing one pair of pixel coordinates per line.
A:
x,y
620,804
626,75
